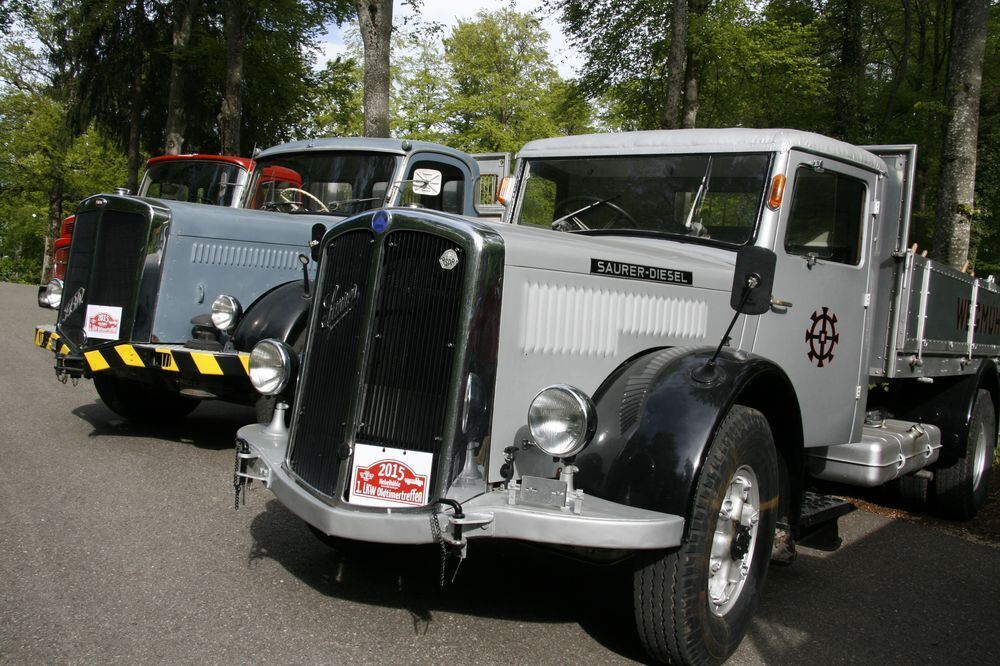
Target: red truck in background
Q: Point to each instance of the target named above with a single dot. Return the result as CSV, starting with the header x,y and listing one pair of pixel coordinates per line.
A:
x,y
217,180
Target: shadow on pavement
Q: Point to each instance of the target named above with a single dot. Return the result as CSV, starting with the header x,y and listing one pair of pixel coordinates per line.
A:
x,y
500,579
212,425
901,593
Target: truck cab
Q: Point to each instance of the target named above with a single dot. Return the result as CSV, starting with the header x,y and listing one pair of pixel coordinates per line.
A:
x,y
670,338
164,297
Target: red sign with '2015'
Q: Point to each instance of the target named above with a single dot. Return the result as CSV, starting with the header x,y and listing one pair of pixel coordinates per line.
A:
x,y
381,476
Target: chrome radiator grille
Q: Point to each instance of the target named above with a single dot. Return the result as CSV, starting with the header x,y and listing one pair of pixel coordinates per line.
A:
x,y
381,356
413,344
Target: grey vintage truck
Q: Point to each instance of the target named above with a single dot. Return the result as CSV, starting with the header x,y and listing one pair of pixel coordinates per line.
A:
x,y
163,299
671,337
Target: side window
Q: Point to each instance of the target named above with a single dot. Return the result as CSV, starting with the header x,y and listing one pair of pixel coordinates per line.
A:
x,y
452,194
826,217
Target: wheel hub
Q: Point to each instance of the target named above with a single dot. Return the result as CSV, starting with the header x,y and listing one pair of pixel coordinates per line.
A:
x,y
734,539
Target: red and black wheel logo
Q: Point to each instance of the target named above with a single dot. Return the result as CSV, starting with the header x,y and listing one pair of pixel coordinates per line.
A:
x,y
822,336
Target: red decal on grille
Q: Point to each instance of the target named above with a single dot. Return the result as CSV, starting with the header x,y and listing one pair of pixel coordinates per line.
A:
x,y
391,481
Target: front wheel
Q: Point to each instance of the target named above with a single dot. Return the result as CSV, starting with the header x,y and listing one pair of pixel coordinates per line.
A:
x,y
693,604
140,402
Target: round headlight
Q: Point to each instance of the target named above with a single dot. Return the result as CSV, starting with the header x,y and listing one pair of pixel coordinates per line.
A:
x,y
270,366
562,419
226,311
53,293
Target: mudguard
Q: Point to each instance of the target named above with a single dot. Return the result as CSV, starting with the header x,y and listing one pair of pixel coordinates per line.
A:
x,y
656,423
946,402
280,313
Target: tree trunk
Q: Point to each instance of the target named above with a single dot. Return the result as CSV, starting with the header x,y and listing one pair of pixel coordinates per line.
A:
x,y
176,124
904,59
849,72
692,77
958,159
135,98
232,101
54,225
375,21
670,114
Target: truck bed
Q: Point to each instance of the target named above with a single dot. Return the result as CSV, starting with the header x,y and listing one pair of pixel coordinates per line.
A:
x,y
930,320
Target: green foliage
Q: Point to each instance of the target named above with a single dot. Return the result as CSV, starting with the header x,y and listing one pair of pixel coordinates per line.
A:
x,y
31,125
334,105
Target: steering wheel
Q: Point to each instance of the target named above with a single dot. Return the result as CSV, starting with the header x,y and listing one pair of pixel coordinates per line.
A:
x,y
284,194
579,201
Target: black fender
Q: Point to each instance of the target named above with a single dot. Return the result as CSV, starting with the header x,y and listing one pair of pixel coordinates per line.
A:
x,y
656,423
946,402
280,313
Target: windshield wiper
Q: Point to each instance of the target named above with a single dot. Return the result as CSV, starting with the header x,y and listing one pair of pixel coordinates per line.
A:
x,y
335,205
699,199
559,224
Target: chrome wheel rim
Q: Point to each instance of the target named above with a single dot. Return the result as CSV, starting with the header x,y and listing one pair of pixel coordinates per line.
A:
x,y
734,540
981,462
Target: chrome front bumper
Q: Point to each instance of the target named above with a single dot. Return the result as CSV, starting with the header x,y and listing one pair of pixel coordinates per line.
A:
x,y
499,513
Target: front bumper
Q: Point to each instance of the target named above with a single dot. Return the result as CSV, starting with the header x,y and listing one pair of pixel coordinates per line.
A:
x,y
178,363
498,514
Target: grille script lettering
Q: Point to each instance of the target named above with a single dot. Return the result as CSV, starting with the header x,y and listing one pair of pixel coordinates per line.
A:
x,y
336,307
75,302
638,272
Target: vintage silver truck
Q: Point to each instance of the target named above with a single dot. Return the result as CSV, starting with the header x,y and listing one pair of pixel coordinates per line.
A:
x,y
577,375
163,300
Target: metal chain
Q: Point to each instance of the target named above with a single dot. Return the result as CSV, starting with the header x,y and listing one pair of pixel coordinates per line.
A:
x,y
436,534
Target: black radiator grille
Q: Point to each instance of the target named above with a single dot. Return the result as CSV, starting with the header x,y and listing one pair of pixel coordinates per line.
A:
x,y
334,356
105,258
412,344
396,392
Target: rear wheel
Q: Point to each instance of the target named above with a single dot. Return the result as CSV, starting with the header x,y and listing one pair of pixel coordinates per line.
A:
x,y
961,487
693,605
141,403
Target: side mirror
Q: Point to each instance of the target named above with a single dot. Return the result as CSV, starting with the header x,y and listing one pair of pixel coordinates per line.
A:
x,y
427,182
318,231
753,280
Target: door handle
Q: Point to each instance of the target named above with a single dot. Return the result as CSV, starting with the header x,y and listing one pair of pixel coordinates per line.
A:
x,y
777,302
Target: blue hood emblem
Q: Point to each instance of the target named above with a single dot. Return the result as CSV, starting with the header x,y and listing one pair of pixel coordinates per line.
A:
x,y
381,220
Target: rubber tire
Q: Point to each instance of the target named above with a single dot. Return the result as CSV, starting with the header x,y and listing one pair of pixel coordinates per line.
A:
x,y
670,598
914,492
141,403
954,493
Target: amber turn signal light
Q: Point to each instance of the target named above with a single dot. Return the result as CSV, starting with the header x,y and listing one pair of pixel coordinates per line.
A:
x,y
505,190
777,191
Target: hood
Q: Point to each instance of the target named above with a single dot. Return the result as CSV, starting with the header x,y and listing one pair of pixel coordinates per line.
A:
x,y
622,256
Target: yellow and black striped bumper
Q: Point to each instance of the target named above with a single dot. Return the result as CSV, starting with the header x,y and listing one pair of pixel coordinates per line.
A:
x,y
47,338
187,363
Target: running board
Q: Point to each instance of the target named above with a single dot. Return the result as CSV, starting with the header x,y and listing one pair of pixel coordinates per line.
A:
x,y
818,527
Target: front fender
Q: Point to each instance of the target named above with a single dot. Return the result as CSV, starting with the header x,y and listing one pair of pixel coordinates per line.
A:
x,y
280,313
656,422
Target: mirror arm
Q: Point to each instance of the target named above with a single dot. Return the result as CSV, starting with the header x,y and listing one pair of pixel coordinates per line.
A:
x,y
706,373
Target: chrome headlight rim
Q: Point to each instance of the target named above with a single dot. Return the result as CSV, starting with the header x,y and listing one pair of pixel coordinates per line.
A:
x,y
53,293
270,366
226,312
586,409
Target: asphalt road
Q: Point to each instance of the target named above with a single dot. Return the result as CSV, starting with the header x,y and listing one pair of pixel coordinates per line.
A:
x,y
120,544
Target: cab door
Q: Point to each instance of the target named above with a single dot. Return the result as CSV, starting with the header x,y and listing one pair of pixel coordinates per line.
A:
x,y
823,276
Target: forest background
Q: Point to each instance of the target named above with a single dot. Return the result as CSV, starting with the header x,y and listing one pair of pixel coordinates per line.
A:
x,y
90,88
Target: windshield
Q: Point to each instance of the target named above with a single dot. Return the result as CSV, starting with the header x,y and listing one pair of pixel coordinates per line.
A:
x,y
713,197
197,181
321,182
